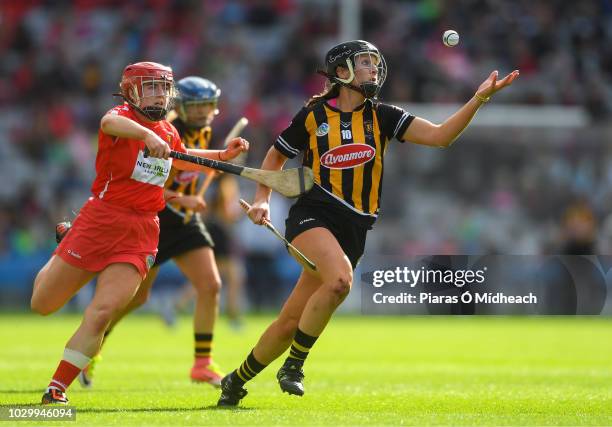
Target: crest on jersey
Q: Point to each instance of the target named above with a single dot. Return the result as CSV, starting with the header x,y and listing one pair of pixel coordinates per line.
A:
x,y
323,129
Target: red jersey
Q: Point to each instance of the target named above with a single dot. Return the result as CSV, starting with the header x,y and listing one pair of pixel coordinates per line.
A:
x,y
124,176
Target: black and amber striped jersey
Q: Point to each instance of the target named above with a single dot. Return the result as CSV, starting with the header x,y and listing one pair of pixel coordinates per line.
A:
x,y
186,182
345,151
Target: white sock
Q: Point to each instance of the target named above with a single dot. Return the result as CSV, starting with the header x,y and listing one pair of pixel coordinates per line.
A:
x,y
76,358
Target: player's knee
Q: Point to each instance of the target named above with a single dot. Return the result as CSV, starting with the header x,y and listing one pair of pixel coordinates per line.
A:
x,y
38,280
38,305
341,283
341,286
100,316
211,286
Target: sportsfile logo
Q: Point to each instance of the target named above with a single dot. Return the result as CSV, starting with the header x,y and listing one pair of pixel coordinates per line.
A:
x,y
348,156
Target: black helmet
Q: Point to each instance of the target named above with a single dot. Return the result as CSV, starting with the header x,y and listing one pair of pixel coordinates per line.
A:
x,y
343,55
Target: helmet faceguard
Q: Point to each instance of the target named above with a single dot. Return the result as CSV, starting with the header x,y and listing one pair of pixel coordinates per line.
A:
x,y
194,90
149,80
354,56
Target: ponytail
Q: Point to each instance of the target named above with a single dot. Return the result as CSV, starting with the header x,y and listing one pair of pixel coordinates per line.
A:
x,y
331,91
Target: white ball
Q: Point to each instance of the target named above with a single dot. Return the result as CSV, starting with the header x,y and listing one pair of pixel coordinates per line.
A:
x,y
450,38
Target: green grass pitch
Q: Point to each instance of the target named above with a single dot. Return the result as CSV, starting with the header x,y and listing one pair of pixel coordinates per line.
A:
x,y
363,371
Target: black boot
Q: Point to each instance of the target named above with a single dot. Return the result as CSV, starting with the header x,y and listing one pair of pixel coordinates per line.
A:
x,y
290,378
231,393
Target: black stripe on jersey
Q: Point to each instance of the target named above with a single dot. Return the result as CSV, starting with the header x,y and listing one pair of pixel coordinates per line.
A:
x,y
347,174
368,117
383,140
308,158
323,143
383,145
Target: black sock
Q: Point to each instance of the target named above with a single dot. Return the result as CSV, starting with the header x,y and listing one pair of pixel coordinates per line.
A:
x,y
203,344
247,371
301,345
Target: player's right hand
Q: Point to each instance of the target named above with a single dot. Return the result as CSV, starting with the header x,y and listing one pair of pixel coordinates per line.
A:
x,y
157,146
259,212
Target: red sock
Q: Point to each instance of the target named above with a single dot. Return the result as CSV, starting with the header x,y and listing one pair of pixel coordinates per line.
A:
x,y
64,375
68,369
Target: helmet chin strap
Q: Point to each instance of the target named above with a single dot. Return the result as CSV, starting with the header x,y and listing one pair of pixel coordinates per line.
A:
x,y
367,90
152,113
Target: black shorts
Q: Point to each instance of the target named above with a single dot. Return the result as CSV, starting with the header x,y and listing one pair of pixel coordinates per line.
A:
x,y
176,238
305,215
221,236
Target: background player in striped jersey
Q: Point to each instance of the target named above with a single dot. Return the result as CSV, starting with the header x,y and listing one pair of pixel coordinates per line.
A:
x,y
188,243
116,232
345,145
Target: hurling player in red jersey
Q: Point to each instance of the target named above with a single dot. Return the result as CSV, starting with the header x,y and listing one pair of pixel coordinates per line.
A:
x,y
116,232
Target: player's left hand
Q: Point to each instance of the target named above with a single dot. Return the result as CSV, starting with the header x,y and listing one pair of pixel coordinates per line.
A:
x,y
235,147
491,85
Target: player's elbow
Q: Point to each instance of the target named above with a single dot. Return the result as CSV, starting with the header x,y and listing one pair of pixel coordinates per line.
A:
x,y
445,143
437,137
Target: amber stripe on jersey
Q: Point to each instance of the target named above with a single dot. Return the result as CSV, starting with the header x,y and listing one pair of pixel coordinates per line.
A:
x,y
322,142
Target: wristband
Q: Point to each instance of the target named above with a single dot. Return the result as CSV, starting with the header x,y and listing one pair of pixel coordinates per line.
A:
x,y
482,98
176,196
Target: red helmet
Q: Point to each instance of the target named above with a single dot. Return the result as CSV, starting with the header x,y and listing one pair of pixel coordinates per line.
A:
x,y
132,85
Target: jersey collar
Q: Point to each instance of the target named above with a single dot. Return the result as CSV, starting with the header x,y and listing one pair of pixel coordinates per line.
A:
x,y
358,108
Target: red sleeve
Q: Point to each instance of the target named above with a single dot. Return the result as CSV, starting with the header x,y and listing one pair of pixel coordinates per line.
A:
x,y
177,143
121,110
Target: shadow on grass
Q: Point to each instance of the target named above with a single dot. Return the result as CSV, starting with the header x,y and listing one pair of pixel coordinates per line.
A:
x,y
116,410
31,390
12,405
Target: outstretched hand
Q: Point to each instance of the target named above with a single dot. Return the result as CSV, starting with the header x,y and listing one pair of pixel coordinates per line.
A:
x,y
491,85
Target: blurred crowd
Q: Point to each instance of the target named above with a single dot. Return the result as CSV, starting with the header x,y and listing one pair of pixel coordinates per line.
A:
x,y
62,60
